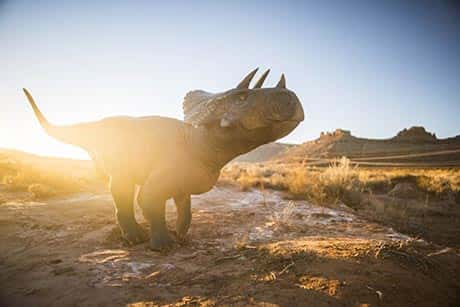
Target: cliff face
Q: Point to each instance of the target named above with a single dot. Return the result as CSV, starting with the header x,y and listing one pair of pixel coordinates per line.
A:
x,y
407,142
264,153
414,140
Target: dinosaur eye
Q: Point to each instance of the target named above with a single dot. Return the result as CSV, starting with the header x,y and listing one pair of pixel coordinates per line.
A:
x,y
241,99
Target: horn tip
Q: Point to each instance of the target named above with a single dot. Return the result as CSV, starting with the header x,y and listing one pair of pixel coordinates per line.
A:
x,y
262,79
26,92
282,82
247,79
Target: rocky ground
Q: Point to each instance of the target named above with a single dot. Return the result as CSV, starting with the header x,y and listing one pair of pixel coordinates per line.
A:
x,y
244,248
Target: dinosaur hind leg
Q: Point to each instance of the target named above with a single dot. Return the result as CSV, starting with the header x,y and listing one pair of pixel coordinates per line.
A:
x,y
184,215
123,196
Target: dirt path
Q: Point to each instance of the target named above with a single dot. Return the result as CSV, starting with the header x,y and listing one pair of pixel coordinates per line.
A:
x,y
244,248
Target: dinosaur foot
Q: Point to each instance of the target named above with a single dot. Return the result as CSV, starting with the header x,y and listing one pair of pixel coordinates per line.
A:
x,y
161,241
134,234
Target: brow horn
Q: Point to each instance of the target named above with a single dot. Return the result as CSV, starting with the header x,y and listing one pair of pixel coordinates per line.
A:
x,y
245,83
261,80
282,82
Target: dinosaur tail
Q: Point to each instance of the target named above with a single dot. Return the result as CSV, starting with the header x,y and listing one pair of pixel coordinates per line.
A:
x,y
67,134
41,119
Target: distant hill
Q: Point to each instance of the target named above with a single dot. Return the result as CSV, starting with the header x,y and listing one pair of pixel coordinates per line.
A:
x,y
265,152
409,147
413,145
22,169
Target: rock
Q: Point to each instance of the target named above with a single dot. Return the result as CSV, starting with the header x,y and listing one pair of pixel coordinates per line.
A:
x,y
352,199
63,270
404,190
54,261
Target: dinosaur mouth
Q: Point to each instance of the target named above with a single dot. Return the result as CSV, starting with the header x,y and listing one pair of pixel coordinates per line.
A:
x,y
280,121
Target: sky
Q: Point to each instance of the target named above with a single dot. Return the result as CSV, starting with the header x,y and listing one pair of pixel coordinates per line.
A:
x,y
372,67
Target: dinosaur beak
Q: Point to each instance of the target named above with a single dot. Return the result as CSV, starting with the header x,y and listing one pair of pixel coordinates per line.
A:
x,y
299,114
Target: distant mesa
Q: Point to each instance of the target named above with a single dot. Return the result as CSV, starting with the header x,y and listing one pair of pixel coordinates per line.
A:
x,y
338,133
411,146
265,152
415,134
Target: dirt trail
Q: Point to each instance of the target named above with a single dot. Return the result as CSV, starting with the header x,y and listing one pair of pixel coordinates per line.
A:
x,y
244,248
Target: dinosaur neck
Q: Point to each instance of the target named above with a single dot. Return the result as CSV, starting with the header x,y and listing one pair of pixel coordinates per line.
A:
x,y
216,148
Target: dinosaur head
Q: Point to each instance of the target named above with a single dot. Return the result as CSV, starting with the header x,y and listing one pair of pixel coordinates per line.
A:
x,y
244,112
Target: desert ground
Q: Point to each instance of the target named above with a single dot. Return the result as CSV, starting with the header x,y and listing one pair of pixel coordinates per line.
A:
x,y
244,248
268,234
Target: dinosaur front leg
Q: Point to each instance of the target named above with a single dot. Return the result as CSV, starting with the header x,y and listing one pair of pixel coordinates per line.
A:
x,y
184,215
154,212
152,199
123,196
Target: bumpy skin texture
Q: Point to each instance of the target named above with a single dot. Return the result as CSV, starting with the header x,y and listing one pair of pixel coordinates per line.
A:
x,y
169,158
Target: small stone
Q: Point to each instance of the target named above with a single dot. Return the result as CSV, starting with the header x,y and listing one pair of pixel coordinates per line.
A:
x,y
54,261
404,190
31,291
63,270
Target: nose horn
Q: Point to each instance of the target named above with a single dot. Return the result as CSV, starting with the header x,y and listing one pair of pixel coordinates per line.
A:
x,y
245,82
282,82
262,78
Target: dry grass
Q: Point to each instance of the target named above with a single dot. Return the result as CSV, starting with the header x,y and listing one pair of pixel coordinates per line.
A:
x,y
284,217
339,181
45,177
419,202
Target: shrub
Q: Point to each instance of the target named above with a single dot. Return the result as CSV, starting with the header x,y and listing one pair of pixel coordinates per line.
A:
x,y
45,177
339,181
41,191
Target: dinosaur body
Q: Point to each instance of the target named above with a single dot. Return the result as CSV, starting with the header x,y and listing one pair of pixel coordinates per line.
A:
x,y
169,158
171,146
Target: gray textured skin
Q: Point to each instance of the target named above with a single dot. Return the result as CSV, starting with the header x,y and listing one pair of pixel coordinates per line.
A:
x,y
169,158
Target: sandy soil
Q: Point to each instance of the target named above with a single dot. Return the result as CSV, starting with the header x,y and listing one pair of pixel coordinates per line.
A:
x,y
244,248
